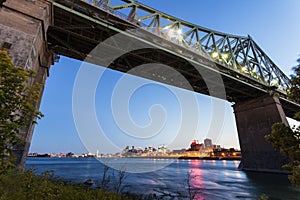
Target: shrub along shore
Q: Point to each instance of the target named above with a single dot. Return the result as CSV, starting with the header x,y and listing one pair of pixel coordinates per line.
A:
x,y
27,185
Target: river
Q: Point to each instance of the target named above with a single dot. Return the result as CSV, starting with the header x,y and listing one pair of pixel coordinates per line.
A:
x,y
208,179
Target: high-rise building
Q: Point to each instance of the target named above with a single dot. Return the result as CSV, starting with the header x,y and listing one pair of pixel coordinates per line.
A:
x,y
208,143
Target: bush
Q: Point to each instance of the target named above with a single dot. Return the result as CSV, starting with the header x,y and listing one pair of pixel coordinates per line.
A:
x,y
19,96
27,185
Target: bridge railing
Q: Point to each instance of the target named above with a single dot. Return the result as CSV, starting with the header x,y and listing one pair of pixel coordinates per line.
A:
x,y
237,53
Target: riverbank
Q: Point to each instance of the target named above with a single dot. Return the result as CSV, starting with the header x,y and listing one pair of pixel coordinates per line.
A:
x,y
28,185
208,158
154,157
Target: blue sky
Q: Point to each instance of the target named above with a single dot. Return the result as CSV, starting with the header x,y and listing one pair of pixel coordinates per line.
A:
x,y
273,24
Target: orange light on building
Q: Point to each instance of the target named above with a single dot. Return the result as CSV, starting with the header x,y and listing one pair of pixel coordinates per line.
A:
x,y
223,154
234,154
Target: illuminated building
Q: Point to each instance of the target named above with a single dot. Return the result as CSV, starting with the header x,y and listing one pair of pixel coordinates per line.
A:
x,y
208,143
195,146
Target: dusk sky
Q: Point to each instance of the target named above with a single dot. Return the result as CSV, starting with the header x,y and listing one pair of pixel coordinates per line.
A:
x,y
273,24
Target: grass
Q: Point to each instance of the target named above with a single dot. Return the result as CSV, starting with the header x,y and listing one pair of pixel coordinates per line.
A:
x,y
27,185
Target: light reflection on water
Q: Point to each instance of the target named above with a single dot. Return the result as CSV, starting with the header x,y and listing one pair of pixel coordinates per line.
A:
x,y
209,179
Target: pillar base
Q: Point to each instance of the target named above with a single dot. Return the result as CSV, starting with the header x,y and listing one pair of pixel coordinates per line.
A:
x,y
254,120
23,27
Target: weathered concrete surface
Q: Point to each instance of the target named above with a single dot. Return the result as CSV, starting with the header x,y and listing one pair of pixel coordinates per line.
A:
x,y
23,26
254,119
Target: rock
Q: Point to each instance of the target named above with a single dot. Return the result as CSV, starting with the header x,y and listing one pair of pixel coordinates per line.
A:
x,y
89,182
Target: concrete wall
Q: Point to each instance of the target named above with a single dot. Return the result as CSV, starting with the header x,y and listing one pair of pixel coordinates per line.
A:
x,y
254,119
23,26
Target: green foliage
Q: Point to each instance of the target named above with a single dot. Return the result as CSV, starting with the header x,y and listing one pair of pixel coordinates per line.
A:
x,y
286,139
18,110
263,197
27,185
294,91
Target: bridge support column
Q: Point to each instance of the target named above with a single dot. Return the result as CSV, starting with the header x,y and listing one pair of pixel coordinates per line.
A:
x,y
23,26
254,119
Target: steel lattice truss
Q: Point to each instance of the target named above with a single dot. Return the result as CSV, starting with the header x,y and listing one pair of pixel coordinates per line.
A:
x,y
238,53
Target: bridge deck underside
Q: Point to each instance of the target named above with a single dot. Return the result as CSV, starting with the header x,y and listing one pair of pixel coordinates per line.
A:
x,y
75,36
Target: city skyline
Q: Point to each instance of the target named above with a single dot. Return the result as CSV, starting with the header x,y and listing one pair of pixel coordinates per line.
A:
x,y
57,129
211,144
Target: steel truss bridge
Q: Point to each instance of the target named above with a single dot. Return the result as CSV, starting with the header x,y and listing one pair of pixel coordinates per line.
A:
x,y
246,70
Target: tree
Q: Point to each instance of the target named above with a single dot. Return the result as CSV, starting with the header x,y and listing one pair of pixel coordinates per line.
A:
x,y
294,92
1,2
18,100
287,139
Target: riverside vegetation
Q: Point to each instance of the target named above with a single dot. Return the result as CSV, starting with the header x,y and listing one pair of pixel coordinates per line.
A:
x,y
27,185
19,95
287,139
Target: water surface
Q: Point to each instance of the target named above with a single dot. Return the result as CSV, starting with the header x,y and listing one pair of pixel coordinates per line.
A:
x,y
208,179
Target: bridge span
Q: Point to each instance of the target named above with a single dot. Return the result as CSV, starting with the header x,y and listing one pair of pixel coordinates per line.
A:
x,y
33,32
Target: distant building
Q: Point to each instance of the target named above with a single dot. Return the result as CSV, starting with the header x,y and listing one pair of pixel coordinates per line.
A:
x,y
89,154
126,150
32,154
179,151
208,143
226,153
195,146
163,149
70,154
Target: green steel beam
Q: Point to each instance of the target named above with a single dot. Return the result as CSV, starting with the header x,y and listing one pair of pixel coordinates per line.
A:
x,y
70,10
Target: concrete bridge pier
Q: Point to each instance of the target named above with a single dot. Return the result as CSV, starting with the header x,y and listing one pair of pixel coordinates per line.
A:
x,y
254,119
23,26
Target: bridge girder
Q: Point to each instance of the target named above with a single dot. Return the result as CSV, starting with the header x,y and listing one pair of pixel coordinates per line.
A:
x,y
247,72
238,53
